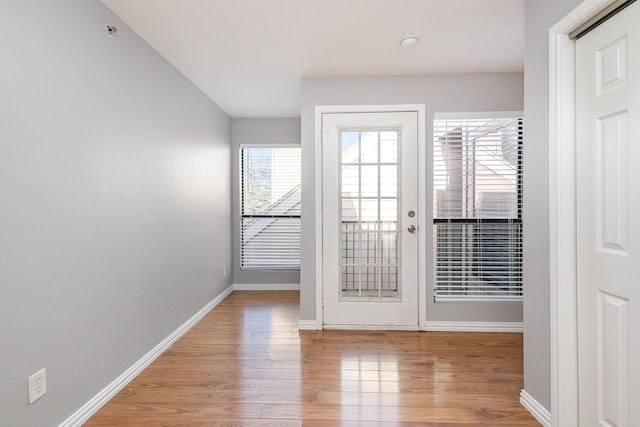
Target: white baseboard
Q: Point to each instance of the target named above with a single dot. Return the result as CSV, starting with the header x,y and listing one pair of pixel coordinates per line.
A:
x,y
373,327
538,411
432,326
100,399
438,326
266,286
307,325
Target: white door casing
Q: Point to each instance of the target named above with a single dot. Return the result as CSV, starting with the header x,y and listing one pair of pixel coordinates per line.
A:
x,y
608,230
370,257
562,218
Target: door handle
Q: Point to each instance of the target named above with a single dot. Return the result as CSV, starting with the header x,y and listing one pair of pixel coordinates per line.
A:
x,y
412,228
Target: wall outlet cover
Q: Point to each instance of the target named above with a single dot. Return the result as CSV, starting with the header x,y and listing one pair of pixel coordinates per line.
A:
x,y
37,385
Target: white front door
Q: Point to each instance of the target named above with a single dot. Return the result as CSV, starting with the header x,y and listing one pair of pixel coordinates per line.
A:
x,y
370,220
608,221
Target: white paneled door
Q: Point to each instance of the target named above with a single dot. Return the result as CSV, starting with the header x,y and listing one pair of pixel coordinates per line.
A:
x,y
370,221
608,221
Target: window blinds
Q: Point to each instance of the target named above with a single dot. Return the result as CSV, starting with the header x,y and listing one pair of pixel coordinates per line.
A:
x,y
477,207
270,208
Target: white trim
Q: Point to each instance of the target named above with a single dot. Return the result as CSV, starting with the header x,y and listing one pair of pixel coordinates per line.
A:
x,y
319,214
266,286
478,115
372,327
420,109
269,145
562,197
92,406
454,326
538,411
424,235
307,325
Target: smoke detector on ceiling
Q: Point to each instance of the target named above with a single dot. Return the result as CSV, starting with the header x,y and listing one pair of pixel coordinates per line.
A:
x,y
409,41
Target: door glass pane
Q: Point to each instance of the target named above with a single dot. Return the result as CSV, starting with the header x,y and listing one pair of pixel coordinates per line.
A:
x,y
389,181
369,216
350,280
350,214
369,236
389,214
389,147
350,143
389,281
369,251
349,247
350,181
369,142
389,244
369,177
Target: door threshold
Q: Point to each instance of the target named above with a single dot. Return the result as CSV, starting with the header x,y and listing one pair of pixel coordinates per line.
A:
x,y
373,327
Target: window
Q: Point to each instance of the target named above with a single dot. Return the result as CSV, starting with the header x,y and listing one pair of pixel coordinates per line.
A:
x,y
270,208
477,207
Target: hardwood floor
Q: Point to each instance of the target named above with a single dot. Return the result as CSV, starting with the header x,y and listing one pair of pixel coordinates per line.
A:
x,y
246,364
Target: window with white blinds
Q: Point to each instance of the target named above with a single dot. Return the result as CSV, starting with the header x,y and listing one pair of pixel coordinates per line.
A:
x,y
270,208
477,207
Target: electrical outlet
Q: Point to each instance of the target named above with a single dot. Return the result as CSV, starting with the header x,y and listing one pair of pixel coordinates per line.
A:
x,y
37,385
224,271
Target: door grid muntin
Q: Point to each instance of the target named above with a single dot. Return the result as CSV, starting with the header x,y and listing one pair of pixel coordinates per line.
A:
x,y
370,220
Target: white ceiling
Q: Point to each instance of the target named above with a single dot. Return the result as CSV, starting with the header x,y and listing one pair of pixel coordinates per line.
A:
x,y
249,55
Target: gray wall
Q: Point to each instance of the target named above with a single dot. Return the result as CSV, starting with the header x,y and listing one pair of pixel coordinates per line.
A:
x,y
445,93
258,131
115,194
540,15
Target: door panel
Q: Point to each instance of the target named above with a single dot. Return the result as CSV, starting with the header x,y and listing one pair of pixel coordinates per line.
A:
x,y
608,208
369,188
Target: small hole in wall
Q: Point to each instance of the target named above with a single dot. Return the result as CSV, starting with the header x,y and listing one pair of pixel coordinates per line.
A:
x,y
110,30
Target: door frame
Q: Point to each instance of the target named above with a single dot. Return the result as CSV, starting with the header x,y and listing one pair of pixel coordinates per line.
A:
x,y
562,213
422,187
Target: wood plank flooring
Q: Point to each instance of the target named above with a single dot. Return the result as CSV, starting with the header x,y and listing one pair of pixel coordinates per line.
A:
x,y
246,364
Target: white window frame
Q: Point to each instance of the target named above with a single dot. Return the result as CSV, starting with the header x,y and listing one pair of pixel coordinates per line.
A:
x,y
241,213
472,116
